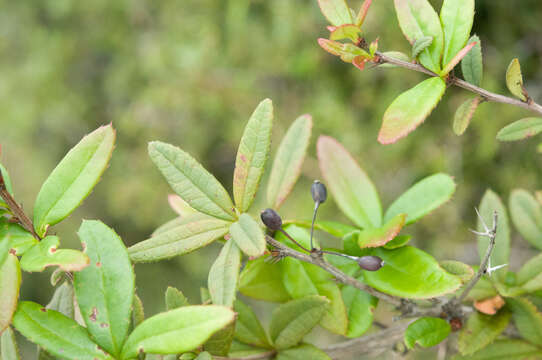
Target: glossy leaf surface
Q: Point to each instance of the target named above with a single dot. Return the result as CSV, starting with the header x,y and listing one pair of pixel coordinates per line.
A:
x,y
160,334
336,12
410,273
427,332
262,280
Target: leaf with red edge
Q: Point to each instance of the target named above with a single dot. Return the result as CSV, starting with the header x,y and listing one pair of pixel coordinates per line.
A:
x,y
10,282
363,12
410,109
336,11
347,52
381,236
350,186
457,58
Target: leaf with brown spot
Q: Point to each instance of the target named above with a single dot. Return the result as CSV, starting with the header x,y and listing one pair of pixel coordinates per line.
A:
x,y
45,254
489,306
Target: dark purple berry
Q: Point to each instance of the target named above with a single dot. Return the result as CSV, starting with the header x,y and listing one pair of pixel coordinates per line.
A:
x,y
318,192
370,263
271,219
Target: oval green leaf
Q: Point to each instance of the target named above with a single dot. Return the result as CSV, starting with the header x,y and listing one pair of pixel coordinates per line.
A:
x,y
381,236
527,318
521,129
160,334
262,280
422,198
514,80
248,236
191,181
420,45
56,333
529,277
346,31
252,155
73,178
336,12
410,109
248,328
288,161
481,330
427,332
501,253
106,312
182,236
410,273
472,65
224,274
526,214
10,283
45,254
459,269
464,114
295,319
352,190
456,17
360,308
418,19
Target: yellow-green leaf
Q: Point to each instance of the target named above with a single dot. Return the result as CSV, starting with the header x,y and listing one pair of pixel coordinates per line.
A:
x,y
521,129
288,161
427,332
252,155
527,318
336,12
480,330
73,178
514,80
224,274
526,214
410,109
160,334
505,349
418,19
464,114
262,280
456,17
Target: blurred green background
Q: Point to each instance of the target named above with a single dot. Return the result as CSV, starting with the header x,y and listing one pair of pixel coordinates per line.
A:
x,y
190,73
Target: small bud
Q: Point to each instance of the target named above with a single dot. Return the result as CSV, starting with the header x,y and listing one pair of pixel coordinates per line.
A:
x,y
318,192
271,219
370,263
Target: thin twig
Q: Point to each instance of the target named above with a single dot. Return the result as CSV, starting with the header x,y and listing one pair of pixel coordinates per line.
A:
x,y
487,95
17,211
293,240
317,260
491,234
